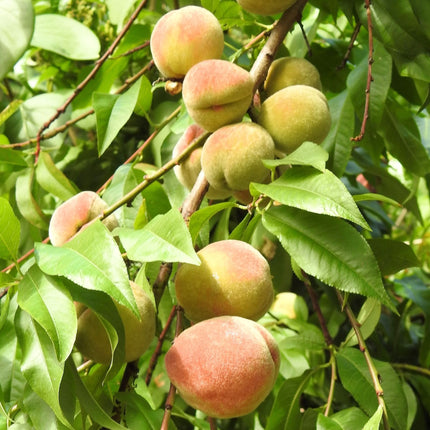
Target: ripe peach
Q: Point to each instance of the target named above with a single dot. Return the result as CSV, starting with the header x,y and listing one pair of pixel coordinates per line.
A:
x,y
224,366
93,342
294,115
74,213
184,37
268,7
233,279
288,71
290,305
217,93
232,156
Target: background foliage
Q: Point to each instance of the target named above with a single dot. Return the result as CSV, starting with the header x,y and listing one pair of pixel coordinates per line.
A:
x,y
349,232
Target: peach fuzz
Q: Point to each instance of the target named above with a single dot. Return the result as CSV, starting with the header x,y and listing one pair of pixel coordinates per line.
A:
x,y
189,169
287,71
294,115
224,366
217,93
74,213
93,342
233,279
184,37
267,7
232,156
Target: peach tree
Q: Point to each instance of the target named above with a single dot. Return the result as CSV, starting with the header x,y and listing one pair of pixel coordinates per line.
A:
x,y
214,214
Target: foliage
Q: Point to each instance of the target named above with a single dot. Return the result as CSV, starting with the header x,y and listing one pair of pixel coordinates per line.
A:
x,y
347,226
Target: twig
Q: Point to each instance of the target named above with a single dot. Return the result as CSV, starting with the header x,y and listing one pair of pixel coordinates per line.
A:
x,y
305,37
370,364
90,76
333,378
350,46
412,368
131,51
369,74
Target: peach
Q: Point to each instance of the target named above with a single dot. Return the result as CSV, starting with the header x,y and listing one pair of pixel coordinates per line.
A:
x,y
224,366
268,7
288,71
294,115
290,305
233,279
189,169
232,156
217,93
74,213
93,342
184,37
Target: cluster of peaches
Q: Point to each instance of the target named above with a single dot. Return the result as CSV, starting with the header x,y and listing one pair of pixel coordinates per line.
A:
x,y
225,364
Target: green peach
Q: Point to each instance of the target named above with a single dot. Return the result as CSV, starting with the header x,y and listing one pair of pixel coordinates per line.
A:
x,y
290,305
232,156
294,115
233,279
217,93
288,71
267,7
184,37
224,366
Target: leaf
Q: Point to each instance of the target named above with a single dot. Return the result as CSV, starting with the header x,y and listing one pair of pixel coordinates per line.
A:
x,y
285,412
112,112
415,289
16,23
393,255
350,418
375,197
144,99
9,110
92,260
164,238
53,179
327,423
355,377
51,305
307,154
39,363
329,249
368,318
375,420
308,189
118,10
26,203
65,36
10,231
12,158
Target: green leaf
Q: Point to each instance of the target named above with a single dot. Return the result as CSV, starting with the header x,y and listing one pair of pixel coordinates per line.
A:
x,y
393,255
65,36
375,197
49,303
308,189
52,179
355,377
329,249
350,418
118,10
112,112
92,260
144,99
375,420
9,110
10,231
12,158
368,318
39,363
164,238
307,154
16,23
327,423
285,412
27,204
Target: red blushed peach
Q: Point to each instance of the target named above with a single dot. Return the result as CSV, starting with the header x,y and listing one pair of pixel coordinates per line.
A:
x,y
217,93
267,7
184,37
224,366
233,279
74,213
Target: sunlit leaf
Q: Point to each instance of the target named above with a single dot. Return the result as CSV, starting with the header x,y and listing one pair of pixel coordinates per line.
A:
x,y
10,231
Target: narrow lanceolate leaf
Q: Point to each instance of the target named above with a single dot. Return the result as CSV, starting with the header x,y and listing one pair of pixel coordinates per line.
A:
x,y
375,420
52,179
92,260
165,238
355,377
368,319
112,112
10,231
39,364
329,249
307,154
51,305
314,191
